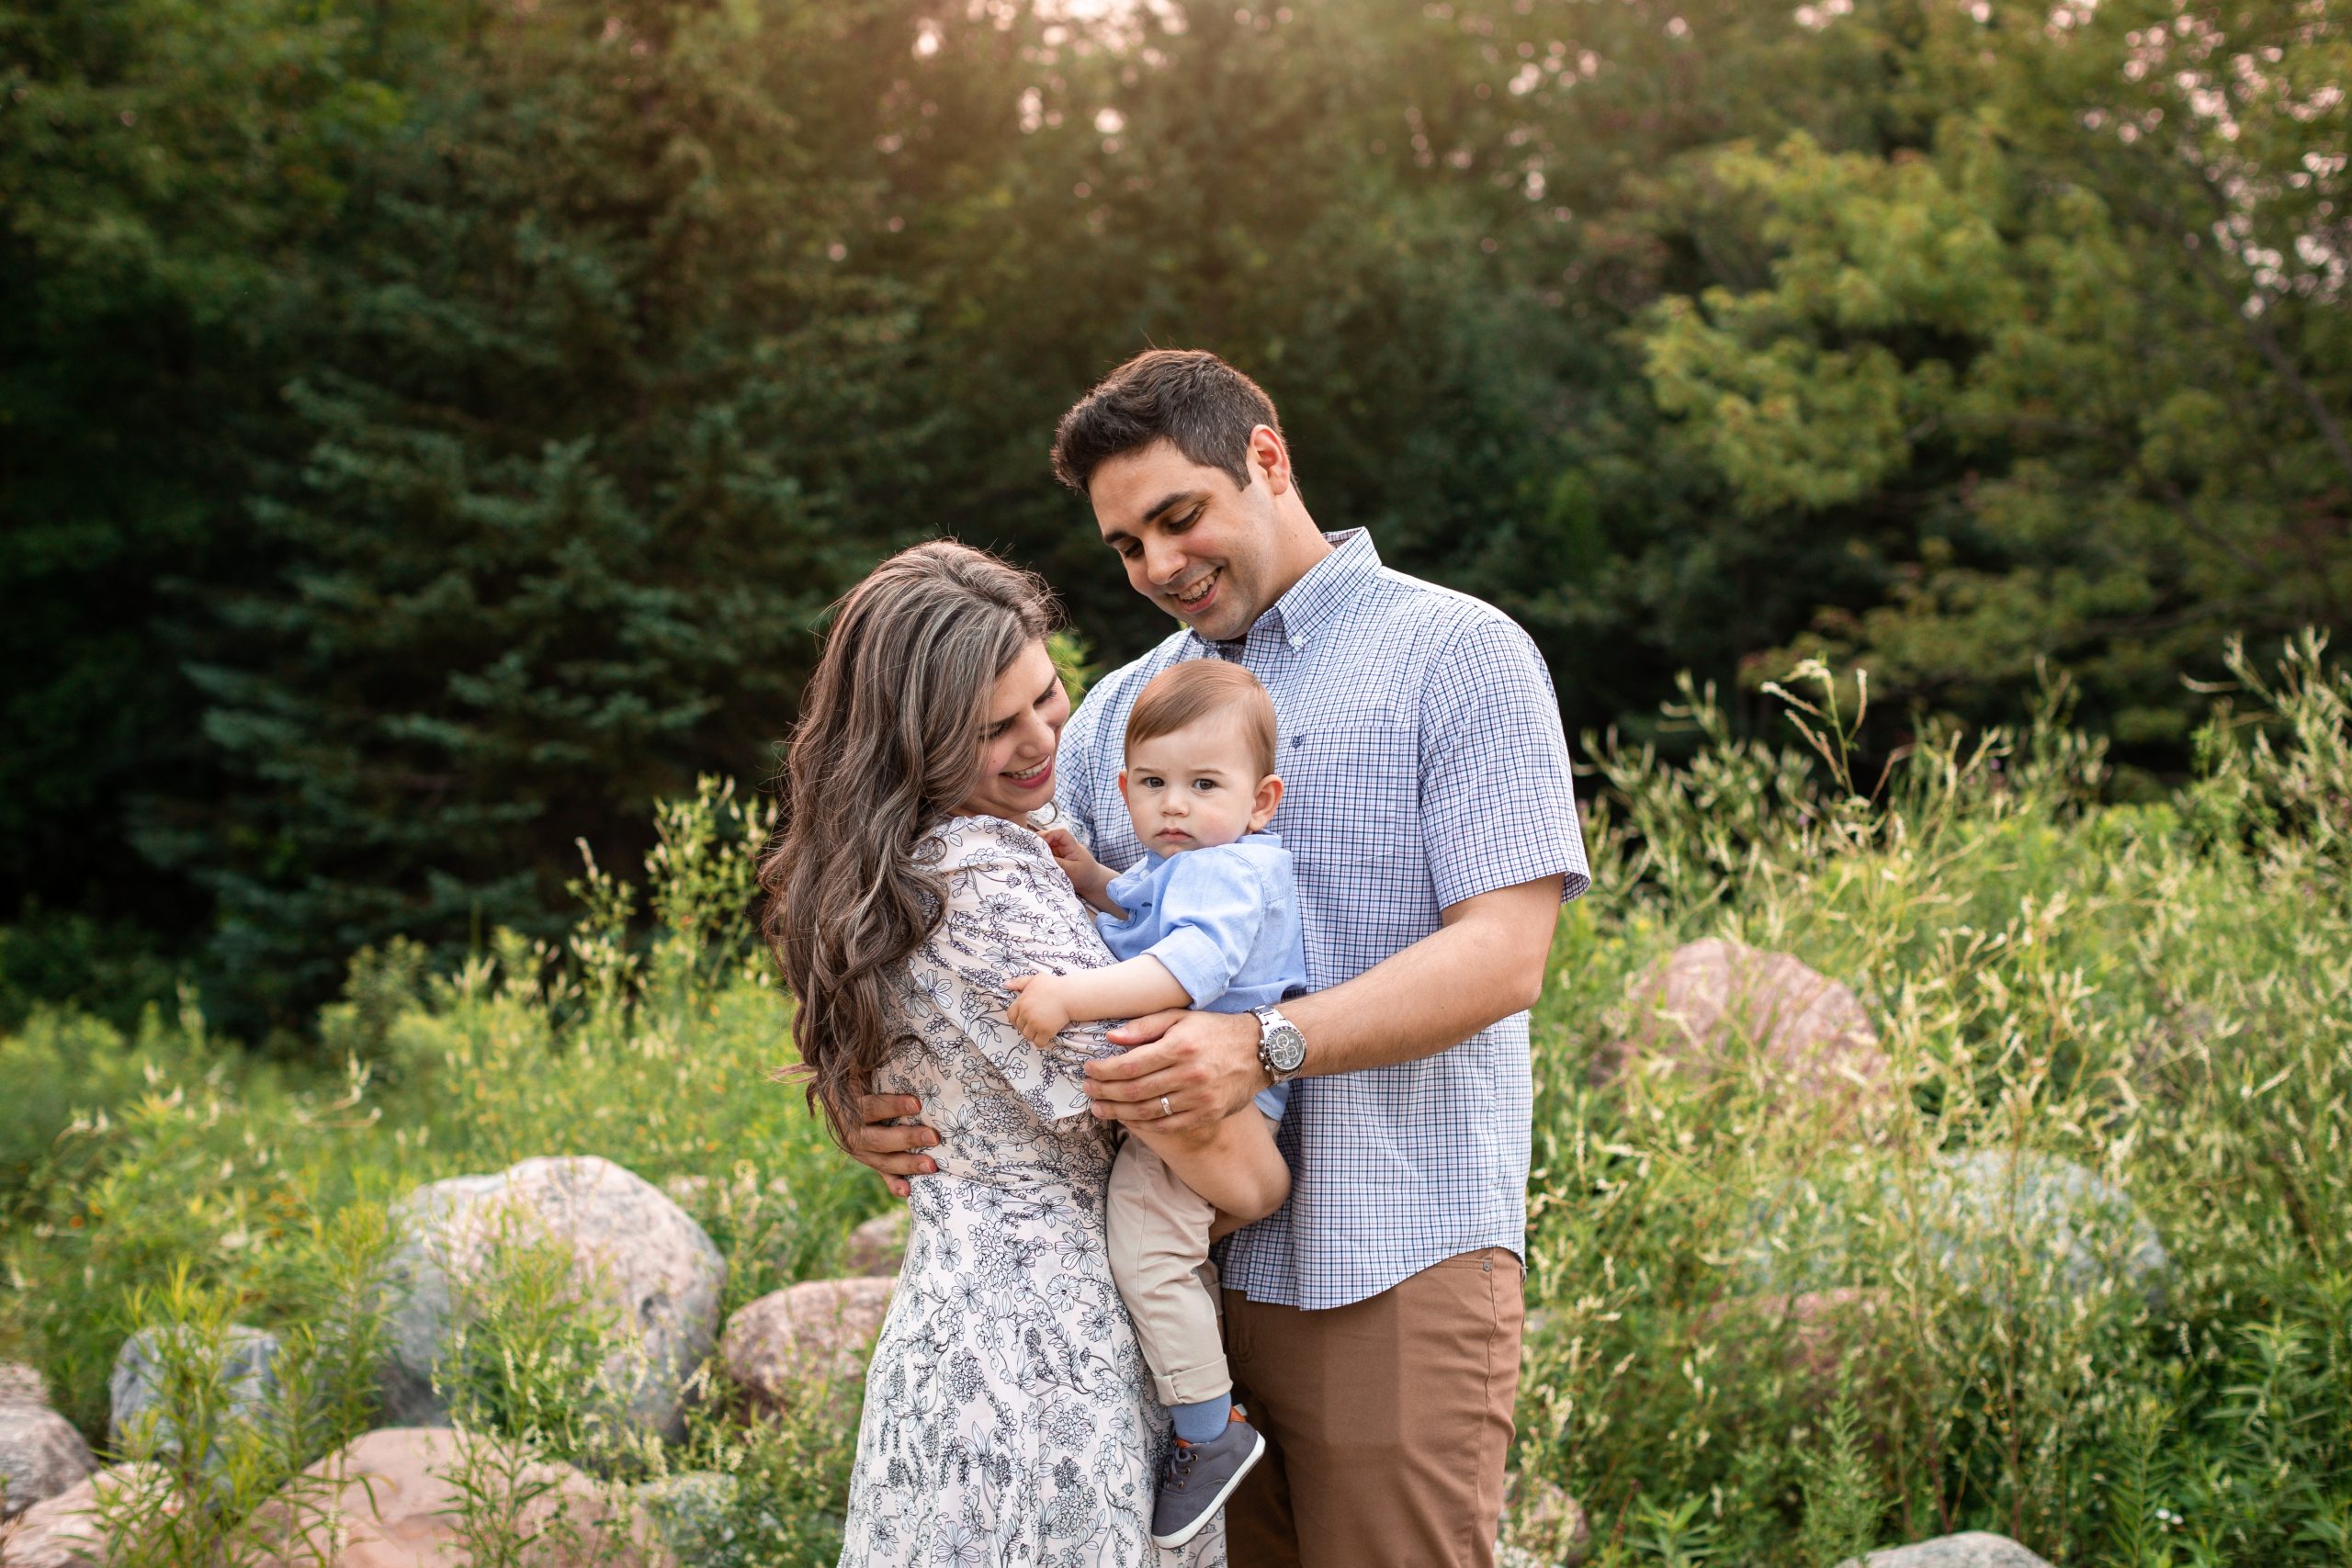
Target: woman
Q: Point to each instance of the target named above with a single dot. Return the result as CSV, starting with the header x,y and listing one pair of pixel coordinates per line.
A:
x,y
1007,1416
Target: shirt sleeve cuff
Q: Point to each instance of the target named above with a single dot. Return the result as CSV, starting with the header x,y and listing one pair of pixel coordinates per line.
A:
x,y
1195,960
1491,876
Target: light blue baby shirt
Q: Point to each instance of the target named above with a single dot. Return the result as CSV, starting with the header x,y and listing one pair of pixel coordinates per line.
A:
x,y
1223,921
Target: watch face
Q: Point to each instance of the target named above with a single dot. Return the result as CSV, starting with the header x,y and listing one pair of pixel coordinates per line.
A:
x,y
1286,1048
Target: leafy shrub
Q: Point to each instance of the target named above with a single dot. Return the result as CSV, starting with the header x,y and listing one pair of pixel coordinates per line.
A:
x,y
2153,1000
2161,996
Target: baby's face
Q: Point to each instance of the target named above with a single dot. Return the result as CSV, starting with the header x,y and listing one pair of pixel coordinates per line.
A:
x,y
1196,787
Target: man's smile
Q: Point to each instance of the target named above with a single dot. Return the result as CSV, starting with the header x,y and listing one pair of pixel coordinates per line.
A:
x,y
1196,596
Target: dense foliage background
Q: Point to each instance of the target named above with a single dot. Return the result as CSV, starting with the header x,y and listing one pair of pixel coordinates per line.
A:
x,y
430,429
1770,1327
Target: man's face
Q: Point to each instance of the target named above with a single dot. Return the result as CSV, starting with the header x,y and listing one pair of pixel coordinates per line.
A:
x,y
1192,543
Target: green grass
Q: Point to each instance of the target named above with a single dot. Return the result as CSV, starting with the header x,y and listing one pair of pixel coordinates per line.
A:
x,y
2158,992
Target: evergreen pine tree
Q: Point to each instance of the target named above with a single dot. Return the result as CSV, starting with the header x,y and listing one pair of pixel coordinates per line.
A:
x,y
589,390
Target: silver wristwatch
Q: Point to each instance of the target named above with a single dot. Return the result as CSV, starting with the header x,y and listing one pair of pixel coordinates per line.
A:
x,y
1281,1049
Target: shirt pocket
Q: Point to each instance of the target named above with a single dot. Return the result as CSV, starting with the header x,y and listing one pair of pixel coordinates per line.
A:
x,y
1352,793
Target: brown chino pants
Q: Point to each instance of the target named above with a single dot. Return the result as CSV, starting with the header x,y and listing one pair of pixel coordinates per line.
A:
x,y
1387,1421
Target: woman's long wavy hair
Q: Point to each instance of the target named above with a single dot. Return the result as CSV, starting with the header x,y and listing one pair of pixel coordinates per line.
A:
x,y
890,742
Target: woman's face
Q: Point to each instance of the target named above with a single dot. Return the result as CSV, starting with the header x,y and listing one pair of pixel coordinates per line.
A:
x,y
1027,712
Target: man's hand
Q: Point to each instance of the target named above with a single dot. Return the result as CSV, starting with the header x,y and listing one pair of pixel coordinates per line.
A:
x,y
1038,1010
888,1148
1205,1063
1089,875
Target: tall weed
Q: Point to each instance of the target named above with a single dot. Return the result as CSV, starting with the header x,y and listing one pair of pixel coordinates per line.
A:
x,y
2156,995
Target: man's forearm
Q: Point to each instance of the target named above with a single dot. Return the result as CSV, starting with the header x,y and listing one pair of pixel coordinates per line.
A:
x,y
1485,964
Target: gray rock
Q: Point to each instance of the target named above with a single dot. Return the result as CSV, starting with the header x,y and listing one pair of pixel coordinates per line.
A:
x,y
812,1333
1975,1549
632,1251
1711,1002
2014,1228
1542,1525
41,1456
22,1384
879,1246
2085,1230
244,1364
688,1511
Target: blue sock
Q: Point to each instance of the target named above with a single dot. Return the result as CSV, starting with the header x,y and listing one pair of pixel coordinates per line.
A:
x,y
1202,1423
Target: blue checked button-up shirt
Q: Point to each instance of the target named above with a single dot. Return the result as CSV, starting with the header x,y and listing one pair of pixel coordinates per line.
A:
x,y
1424,762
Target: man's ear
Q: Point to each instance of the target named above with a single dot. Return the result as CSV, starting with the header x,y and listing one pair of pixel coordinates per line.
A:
x,y
1270,795
1271,457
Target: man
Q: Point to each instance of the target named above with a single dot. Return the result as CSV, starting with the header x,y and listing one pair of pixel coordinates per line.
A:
x,y
1372,1323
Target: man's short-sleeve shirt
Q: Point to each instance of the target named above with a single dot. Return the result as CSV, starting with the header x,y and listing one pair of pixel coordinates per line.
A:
x,y
1423,763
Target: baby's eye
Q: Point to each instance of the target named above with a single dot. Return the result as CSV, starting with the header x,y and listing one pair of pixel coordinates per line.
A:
x,y
1205,785
1153,780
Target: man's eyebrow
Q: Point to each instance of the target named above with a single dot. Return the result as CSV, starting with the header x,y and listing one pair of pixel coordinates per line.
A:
x,y
1113,537
1173,497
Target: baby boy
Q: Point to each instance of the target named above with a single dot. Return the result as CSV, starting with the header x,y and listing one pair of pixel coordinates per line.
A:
x,y
1208,919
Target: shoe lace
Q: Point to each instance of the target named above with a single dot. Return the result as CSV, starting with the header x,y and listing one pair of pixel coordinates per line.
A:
x,y
1180,1463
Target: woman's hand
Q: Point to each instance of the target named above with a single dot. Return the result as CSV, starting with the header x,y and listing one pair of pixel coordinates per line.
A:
x,y
1089,875
880,1140
1038,1010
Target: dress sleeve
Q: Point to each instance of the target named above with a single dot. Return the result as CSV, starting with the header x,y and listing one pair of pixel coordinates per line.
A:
x,y
1009,911
1212,907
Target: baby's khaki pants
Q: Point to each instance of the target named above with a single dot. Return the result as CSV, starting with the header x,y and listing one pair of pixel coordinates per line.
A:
x,y
1159,1257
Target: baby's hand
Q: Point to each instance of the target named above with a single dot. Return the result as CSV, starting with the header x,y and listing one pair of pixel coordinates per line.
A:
x,y
1038,1012
1089,875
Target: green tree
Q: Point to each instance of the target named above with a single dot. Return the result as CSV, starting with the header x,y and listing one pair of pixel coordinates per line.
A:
x,y
587,385
2067,366
164,169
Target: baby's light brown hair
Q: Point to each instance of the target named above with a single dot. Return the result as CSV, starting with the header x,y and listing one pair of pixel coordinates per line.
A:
x,y
1183,694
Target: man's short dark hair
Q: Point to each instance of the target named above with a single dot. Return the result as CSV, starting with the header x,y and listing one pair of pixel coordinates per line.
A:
x,y
1187,396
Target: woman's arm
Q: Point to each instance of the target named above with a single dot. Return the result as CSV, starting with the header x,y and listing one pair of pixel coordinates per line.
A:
x,y
1045,1005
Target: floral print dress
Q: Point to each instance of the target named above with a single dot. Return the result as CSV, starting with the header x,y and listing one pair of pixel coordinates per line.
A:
x,y
1009,1418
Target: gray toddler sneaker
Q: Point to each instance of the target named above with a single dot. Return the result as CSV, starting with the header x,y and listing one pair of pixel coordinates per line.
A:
x,y
1199,1477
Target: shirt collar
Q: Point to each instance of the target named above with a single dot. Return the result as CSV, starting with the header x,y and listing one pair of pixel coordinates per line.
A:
x,y
1327,587
1153,859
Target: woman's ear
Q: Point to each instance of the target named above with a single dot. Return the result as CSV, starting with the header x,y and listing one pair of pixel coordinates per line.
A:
x,y
1270,795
